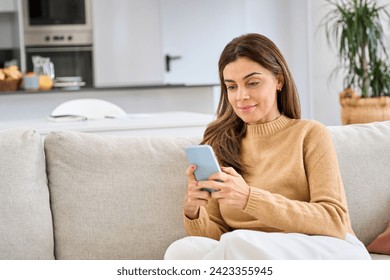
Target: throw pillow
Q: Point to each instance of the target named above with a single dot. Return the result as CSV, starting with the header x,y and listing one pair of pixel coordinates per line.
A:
x,y
381,244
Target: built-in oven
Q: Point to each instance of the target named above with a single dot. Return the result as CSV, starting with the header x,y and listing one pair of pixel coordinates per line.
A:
x,y
57,22
62,31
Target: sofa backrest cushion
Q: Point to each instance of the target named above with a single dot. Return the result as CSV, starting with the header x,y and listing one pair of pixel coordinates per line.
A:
x,y
364,157
26,230
115,197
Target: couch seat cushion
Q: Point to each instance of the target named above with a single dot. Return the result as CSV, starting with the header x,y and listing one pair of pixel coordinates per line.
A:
x,y
115,197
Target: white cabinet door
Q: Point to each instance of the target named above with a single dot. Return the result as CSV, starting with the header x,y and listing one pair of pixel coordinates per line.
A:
x,y
127,45
197,32
8,6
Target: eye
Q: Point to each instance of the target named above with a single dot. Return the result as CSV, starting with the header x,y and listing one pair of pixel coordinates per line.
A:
x,y
231,87
253,83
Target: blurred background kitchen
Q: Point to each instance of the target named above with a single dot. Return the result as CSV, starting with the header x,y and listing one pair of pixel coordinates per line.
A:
x,y
157,55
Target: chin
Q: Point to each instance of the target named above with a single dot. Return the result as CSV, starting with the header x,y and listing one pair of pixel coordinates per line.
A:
x,y
249,117
249,120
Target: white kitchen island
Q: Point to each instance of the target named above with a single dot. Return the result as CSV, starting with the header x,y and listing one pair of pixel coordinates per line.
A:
x,y
169,124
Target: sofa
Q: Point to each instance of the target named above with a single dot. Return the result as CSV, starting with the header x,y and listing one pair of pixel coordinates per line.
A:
x,y
76,196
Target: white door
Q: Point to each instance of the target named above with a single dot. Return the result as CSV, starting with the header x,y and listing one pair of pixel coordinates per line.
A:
x,y
194,35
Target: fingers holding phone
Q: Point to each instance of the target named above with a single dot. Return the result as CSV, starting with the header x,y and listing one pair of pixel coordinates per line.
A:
x,y
203,157
234,190
194,197
224,184
194,185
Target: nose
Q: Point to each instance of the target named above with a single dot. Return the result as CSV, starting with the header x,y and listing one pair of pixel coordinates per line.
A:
x,y
242,94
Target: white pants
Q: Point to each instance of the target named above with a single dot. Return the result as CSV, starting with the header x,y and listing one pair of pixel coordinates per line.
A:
x,y
256,245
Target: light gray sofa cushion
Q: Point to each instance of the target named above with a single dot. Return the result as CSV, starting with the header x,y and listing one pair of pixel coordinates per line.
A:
x,y
112,195
364,157
26,230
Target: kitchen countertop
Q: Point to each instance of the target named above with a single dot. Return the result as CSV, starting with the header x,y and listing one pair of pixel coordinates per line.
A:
x,y
152,124
85,89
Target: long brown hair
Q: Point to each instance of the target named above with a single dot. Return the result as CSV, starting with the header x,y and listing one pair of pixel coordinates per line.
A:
x,y
225,133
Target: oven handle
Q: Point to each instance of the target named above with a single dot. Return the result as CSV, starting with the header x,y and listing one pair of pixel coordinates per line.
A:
x,y
60,49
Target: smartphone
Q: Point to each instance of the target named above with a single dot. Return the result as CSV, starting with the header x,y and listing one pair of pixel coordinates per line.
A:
x,y
206,163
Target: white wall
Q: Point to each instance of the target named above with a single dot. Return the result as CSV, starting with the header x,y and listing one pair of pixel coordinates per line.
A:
x,y
285,23
325,90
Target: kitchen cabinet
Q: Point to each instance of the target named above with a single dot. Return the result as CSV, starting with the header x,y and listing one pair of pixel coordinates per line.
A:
x,y
127,44
7,6
11,40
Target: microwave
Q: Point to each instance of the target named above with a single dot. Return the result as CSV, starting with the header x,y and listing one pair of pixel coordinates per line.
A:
x,y
57,22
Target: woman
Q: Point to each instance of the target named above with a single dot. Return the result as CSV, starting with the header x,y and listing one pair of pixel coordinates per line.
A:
x,y
280,193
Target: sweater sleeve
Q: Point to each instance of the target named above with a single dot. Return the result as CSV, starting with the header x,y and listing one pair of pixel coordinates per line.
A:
x,y
326,212
208,224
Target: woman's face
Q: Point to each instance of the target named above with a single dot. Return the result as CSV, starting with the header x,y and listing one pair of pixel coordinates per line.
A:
x,y
252,91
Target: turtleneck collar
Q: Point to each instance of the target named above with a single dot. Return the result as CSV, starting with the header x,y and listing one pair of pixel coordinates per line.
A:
x,y
269,128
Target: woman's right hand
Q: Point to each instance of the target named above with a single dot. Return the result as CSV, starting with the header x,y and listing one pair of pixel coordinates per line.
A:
x,y
194,197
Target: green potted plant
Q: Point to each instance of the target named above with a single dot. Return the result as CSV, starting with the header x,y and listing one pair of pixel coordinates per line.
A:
x,y
356,27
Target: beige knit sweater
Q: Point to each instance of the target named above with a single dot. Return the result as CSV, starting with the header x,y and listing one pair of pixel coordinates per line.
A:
x,y
295,184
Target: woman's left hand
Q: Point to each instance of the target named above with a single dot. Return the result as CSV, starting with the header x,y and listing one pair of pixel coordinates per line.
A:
x,y
233,190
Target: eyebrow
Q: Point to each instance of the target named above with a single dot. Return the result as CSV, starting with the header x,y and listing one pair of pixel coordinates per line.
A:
x,y
245,77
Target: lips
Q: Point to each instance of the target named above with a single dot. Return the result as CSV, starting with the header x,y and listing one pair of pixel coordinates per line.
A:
x,y
246,108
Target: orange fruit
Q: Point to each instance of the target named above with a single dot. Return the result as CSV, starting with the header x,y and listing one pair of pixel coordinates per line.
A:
x,y
45,82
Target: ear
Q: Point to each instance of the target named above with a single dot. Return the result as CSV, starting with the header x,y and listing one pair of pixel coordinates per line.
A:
x,y
280,79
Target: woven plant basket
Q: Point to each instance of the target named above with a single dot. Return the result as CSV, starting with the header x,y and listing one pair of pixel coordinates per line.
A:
x,y
355,109
10,84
